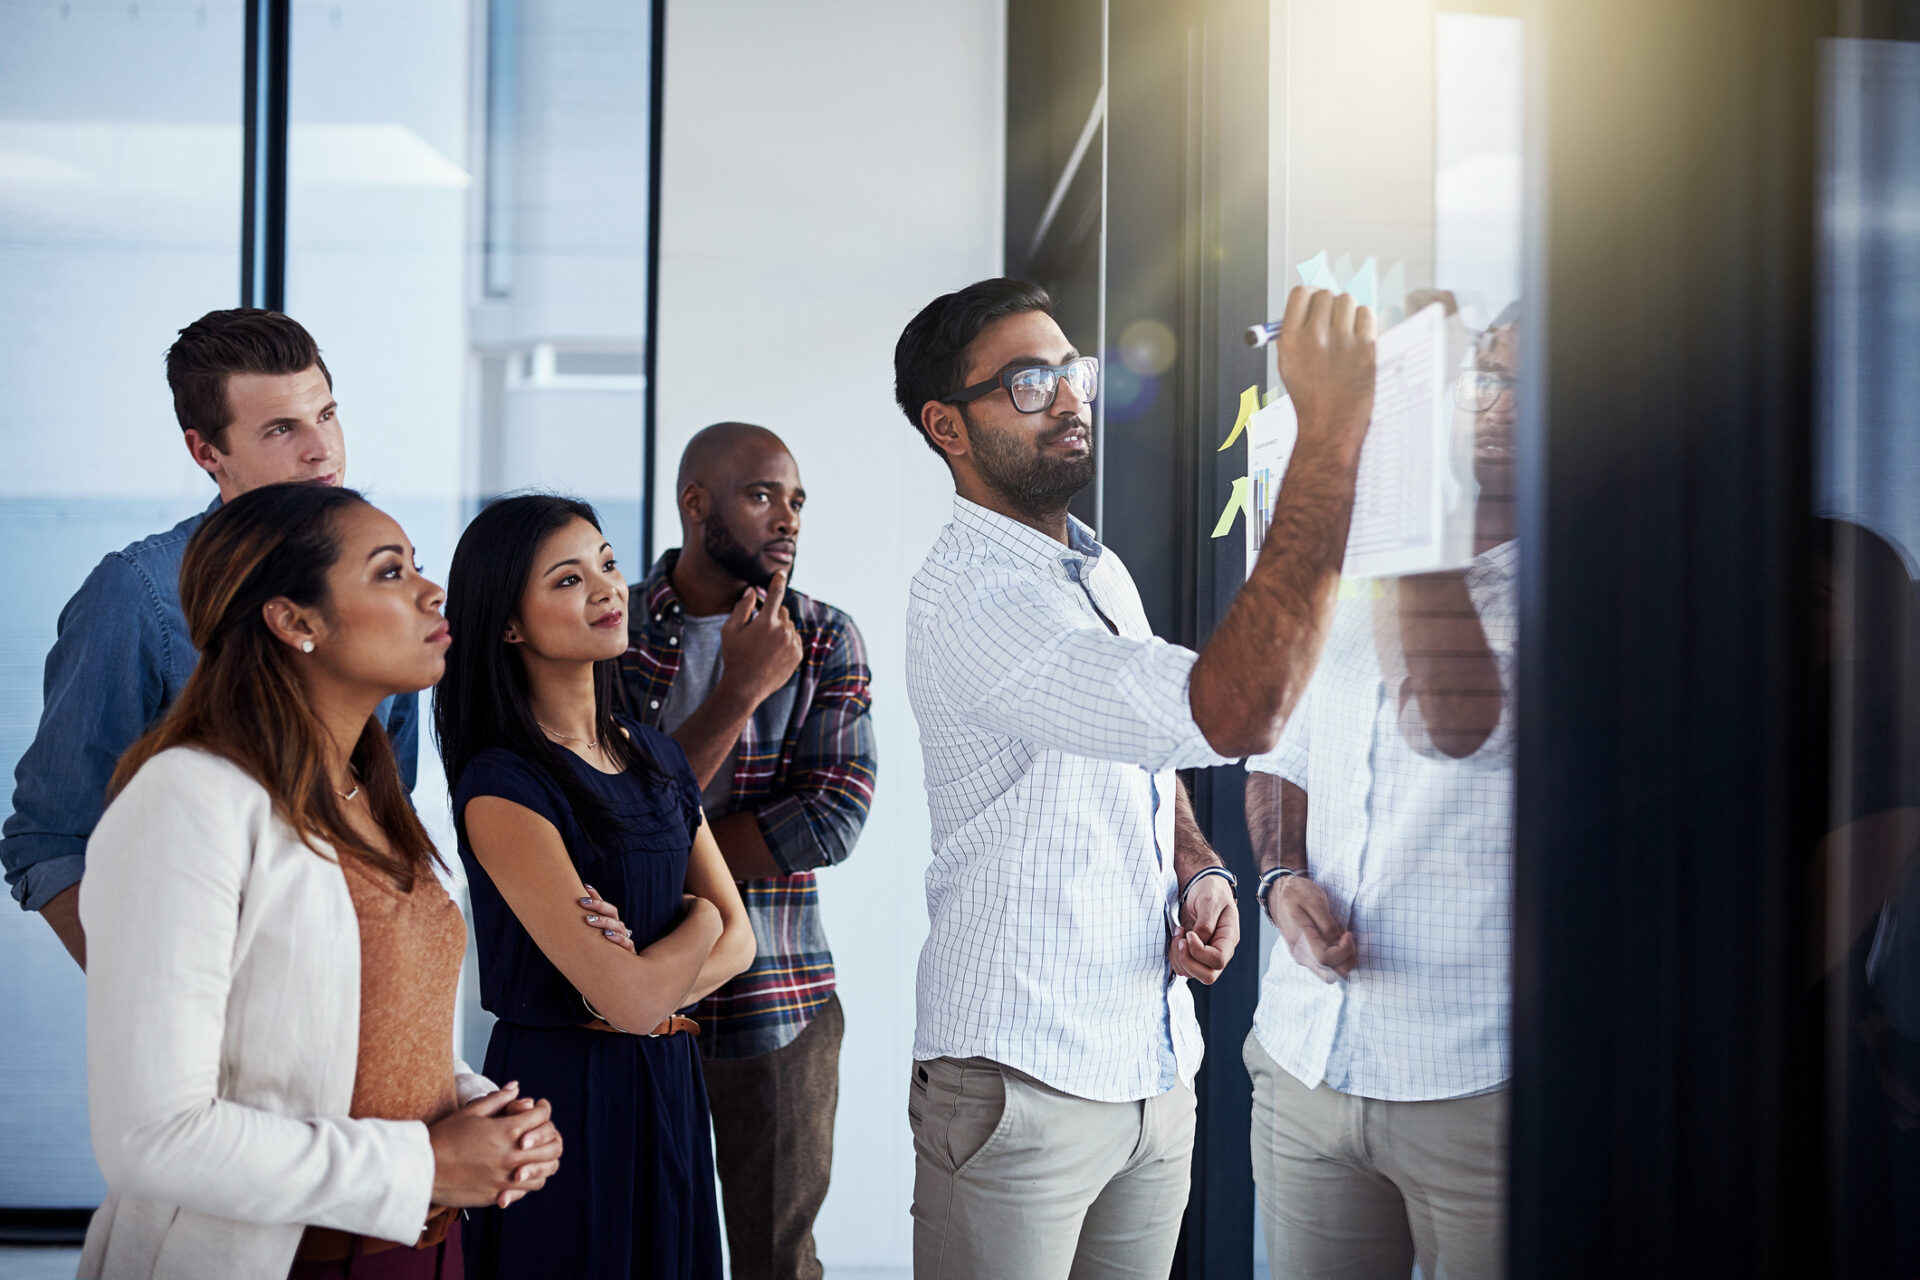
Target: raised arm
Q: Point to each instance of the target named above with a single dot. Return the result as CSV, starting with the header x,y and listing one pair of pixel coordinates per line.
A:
x,y
1453,677
1254,669
759,652
527,861
1016,659
816,818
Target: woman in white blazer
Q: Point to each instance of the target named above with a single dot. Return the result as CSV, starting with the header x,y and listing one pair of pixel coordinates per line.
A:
x,y
260,843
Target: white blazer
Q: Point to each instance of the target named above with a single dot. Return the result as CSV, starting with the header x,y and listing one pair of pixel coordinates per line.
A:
x,y
223,1029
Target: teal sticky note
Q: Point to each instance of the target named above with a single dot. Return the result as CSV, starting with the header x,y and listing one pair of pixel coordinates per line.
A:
x,y
1365,284
1311,269
1393,291
1342,272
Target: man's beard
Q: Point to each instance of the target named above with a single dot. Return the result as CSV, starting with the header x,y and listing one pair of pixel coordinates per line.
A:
x,y
1035,485
725,550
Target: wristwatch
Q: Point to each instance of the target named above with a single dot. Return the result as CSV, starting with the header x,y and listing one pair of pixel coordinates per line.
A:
x,y
1274,877
1232,881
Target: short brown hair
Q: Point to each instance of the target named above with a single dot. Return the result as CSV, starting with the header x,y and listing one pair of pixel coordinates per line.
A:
x,y
222,343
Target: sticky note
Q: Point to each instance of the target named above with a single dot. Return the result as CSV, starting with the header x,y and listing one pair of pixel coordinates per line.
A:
x,y
1393,288
1236,503
1249,405
1310,269
1365,284
1342,271
1273,393
1362,589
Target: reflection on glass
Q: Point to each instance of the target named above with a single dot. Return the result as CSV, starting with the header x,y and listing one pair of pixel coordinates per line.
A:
x,y
467,232
1383,820
1864,973
120,173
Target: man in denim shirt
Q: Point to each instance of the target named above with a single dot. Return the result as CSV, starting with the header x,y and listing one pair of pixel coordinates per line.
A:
x,y
255,402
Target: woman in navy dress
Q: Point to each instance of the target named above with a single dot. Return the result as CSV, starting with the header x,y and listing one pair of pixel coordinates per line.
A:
x,y
551,787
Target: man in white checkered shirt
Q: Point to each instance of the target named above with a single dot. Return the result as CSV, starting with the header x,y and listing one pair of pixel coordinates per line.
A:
x,y
1071,892
1383,825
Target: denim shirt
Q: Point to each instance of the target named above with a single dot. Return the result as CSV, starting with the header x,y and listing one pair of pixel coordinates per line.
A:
x,y
120,657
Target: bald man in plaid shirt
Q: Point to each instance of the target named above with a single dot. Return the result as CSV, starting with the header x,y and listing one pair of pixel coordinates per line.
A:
x,y
767,691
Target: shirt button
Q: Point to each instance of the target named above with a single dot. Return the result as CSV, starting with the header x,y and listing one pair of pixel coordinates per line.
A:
x,y
673,639
654,705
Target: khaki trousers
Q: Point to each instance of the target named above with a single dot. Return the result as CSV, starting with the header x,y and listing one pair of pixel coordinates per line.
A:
x,y
773,1147
1355,1188
1014,1180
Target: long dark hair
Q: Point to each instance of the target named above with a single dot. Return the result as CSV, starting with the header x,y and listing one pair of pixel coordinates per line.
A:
x,y
244,701
482,700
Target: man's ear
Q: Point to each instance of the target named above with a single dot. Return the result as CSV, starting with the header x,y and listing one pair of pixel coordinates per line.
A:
x,y
946,428
206,455
290,624
695,503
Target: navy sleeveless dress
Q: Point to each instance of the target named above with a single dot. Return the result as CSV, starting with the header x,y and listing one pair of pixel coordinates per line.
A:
x,y
634,1195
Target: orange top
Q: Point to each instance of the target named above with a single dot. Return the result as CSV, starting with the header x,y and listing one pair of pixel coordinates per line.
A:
x,y
411,948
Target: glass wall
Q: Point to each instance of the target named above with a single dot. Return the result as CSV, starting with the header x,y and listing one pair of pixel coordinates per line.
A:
x,y
1395,174
467,241
120,169
1862,977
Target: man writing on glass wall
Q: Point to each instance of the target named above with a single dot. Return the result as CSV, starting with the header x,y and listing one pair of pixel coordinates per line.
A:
x,y
1071,892
1383,826
255,403
768,692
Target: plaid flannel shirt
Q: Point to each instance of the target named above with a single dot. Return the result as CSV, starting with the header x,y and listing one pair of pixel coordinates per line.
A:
x,y
807,776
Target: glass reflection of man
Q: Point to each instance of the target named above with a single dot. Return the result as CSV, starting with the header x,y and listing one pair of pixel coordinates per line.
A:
x,y
1382,824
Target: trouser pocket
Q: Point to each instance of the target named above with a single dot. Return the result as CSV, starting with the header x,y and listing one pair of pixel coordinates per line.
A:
x,y
957,1107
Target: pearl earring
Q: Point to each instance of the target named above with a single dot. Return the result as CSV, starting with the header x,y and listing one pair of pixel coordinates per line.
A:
x,y
306,646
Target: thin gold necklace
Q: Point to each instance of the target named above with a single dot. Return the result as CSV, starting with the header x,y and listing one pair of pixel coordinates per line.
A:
x,y
593,744
348,795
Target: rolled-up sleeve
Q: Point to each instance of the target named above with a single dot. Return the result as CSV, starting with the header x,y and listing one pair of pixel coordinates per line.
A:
x,y
815,821
104,684
1015,659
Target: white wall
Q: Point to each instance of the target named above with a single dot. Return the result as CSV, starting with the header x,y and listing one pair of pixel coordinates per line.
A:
x,y
829,169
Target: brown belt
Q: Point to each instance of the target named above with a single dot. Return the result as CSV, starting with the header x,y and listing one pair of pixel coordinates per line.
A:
x,y
678,1024
324,1244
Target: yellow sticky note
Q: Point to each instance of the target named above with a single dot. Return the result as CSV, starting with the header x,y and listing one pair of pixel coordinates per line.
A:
x,y
1249,405
1236,503
1273,393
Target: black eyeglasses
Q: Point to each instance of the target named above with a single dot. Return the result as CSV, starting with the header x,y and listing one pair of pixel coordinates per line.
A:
x,y
1476,390
1034,387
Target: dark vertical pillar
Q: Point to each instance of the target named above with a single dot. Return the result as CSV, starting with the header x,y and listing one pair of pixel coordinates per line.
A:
x,y
656,134
263,192
1668,778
